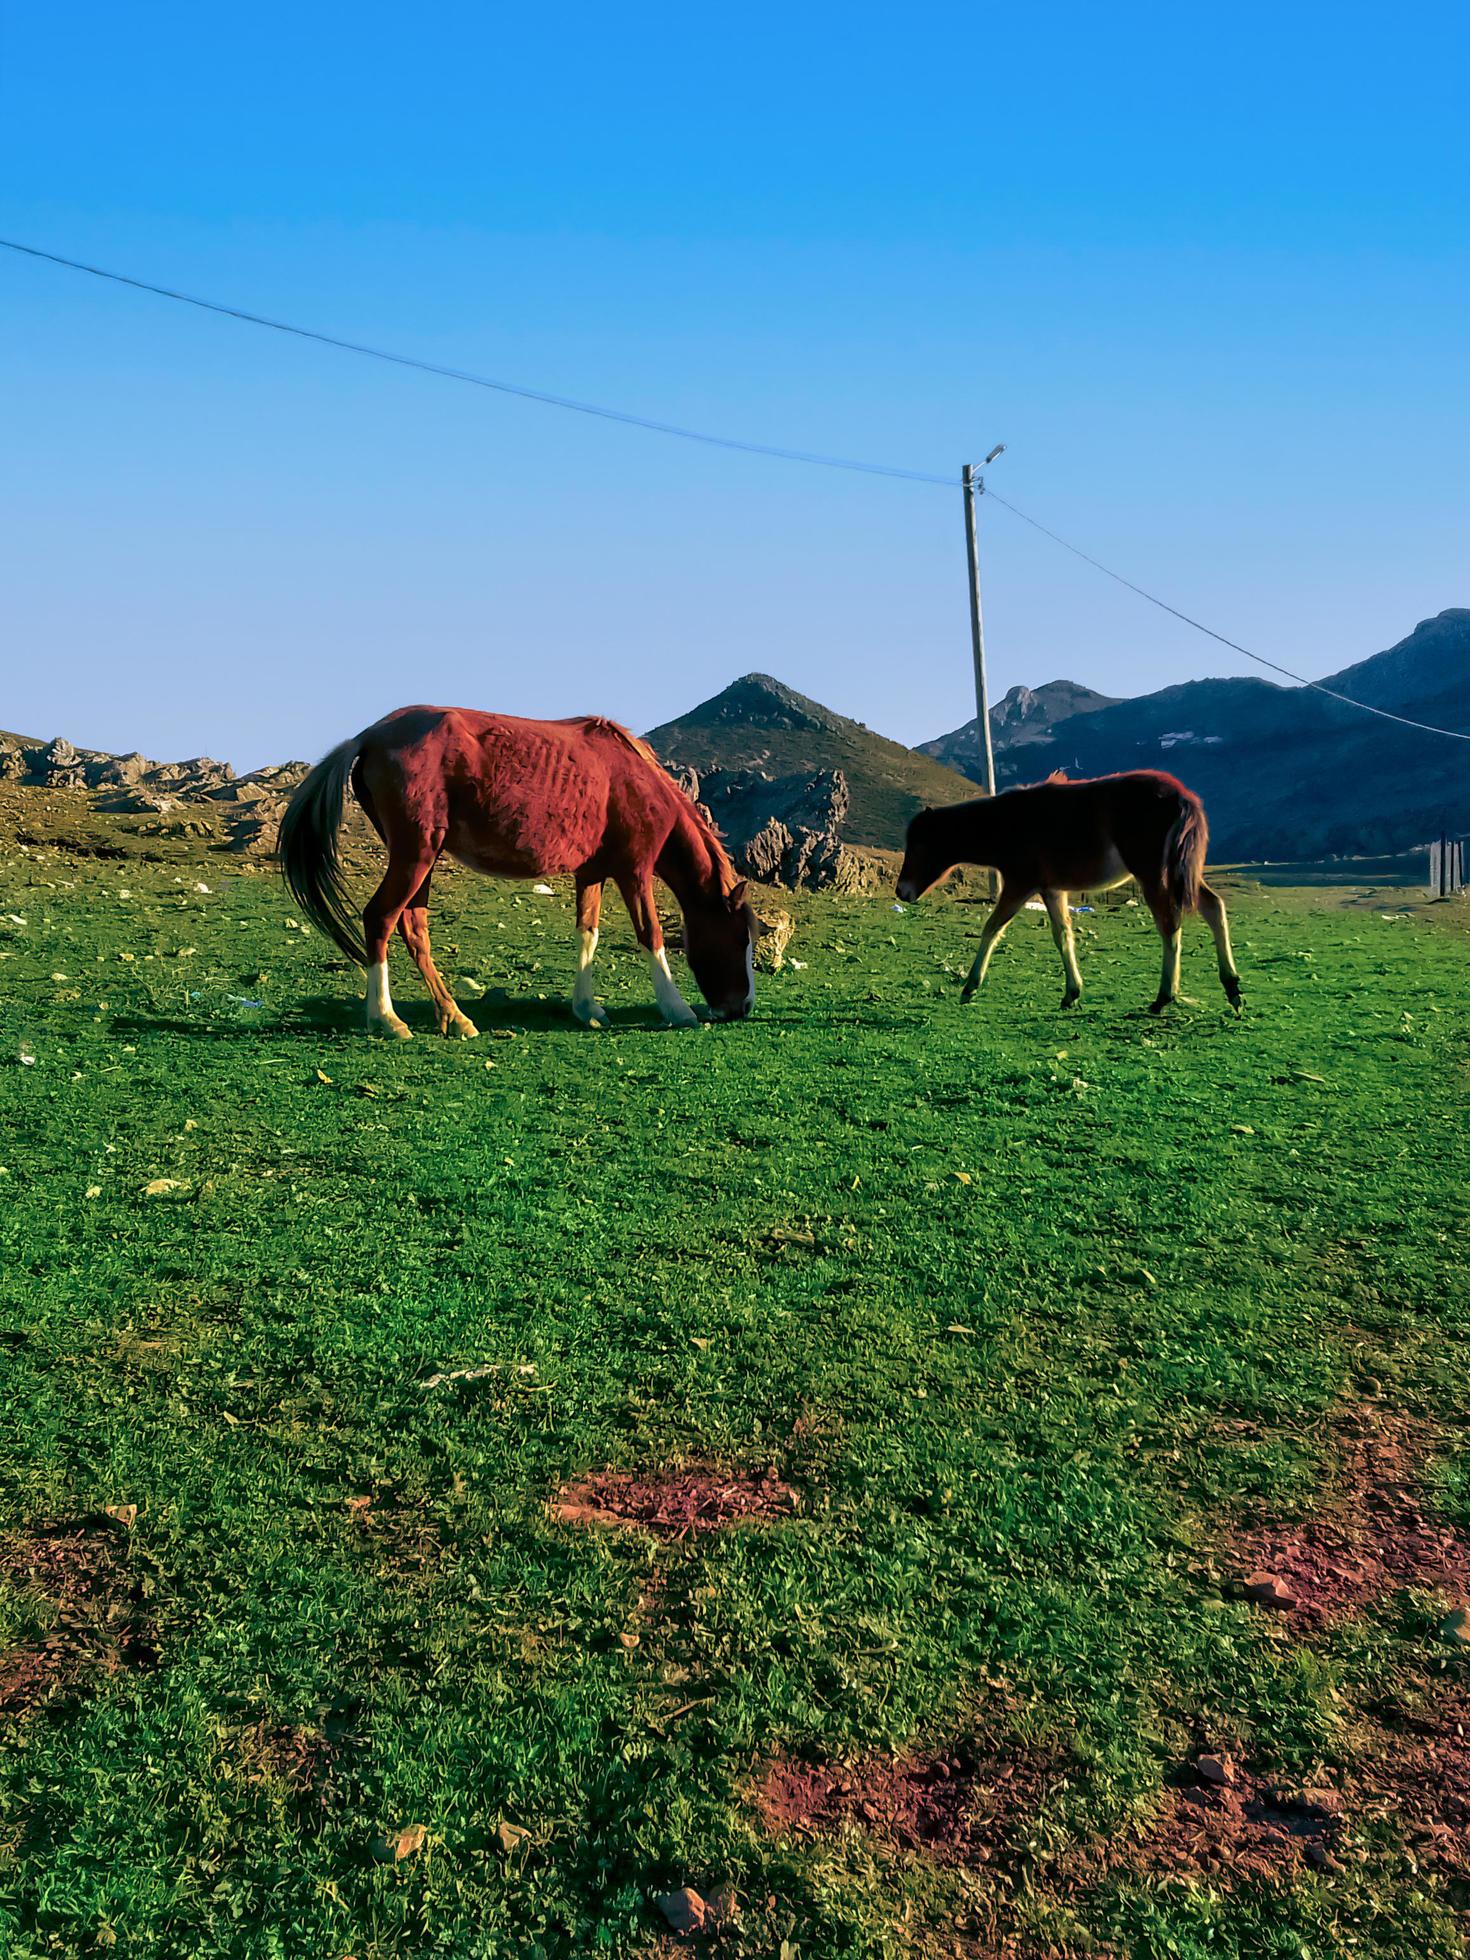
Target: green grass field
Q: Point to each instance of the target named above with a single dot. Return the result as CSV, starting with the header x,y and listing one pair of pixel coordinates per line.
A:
x,y
1036,1312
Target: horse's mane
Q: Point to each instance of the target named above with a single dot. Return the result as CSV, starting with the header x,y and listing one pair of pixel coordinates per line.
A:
x,y
605,725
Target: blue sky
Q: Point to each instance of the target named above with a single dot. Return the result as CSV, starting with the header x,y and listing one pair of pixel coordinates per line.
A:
x,y
1203,270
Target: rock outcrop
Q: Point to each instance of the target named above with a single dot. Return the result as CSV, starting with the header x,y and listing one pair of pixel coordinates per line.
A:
x,y
781,830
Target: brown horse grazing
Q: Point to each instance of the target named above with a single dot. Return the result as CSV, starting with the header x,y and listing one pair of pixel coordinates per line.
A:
x,y
519,799
1058,837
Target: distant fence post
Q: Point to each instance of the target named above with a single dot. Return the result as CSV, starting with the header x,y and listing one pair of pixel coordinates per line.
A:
x,y
1446,865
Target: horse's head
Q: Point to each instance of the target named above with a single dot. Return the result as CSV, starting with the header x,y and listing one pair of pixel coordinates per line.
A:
x,y
719,944
925,856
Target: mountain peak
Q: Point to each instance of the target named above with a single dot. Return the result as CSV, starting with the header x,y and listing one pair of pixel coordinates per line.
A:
x,y
761,701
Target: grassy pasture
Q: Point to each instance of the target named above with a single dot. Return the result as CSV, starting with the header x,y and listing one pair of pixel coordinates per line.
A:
x,y
1037,1312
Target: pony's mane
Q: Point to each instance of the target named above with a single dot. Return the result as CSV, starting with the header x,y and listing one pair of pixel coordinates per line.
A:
x,y
605,725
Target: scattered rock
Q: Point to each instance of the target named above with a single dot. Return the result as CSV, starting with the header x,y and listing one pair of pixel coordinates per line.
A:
x,y
770,949
685,1910
1216,1769
1455,1626
1268,1590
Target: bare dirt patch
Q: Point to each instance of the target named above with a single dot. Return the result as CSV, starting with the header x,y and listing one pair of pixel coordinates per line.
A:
x,y
675,1503
79,1576
962,1807
1371,1535
1414,1772
1248,1828
299,1759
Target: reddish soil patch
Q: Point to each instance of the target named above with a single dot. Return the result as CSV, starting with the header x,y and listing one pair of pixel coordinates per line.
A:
x,y
960,1808
301,1759
1414,1772
676,1502
1371,1536
98,1623
1249,1828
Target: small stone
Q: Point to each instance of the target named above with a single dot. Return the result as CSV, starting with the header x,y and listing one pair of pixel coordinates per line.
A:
x,y
509,1835
685,1911
1218,1770
1266,1589
1455,1627
1319,1800
160,1187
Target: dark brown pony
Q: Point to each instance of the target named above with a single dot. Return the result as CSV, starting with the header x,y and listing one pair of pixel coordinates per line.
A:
x,y
1058,837
518,799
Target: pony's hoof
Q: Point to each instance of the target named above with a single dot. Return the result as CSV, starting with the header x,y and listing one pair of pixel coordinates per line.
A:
x,y
967,994
461,1029
591,1013
1070,1000
1161,1005
688,1019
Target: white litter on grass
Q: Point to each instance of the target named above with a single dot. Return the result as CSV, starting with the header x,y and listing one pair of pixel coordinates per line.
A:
x,y
1033,905
15,918
201,888
545,890
797,966
475,1374
898,908
27,1061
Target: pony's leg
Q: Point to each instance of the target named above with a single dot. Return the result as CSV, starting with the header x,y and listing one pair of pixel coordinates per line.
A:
x,y
585,1004
1212,911
1012,898
638,897
380,915
413,923
1066,945
1167,919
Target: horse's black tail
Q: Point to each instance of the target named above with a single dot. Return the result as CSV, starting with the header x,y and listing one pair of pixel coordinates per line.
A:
x,y
310,855
1184,852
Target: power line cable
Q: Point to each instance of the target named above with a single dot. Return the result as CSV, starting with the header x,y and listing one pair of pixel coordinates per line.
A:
x,y
657,427
478,380
1406,721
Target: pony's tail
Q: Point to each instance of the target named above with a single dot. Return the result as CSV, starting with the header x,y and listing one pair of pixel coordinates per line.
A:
x,y
1184,853
310,855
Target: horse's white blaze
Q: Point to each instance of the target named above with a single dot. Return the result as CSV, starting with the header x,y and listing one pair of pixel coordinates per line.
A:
x,y
672,1004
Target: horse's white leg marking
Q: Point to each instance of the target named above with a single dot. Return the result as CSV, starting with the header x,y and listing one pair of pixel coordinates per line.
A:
x,y
1061,932
672,1004
1213,908
379,1002
1169,979
1006,908
587,1008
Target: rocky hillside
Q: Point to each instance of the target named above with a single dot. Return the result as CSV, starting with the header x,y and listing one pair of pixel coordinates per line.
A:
x,y
201,796
759,725
1284,771
1025,716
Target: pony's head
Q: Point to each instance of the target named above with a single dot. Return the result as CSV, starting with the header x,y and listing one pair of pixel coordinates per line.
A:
x,y
926,856
719,944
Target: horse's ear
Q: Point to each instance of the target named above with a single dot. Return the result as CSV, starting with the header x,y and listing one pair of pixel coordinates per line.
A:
x,y
735,897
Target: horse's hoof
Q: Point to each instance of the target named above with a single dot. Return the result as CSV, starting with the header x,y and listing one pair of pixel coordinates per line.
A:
x,y
688,1019
591,1013
1158,1006
399,1030
464,1030
967,994
1070,1000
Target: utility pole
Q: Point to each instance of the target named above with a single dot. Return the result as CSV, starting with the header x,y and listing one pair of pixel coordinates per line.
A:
x,y
975,485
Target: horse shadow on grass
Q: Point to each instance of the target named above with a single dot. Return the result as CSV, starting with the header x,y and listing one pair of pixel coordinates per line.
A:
x,y
311,1018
